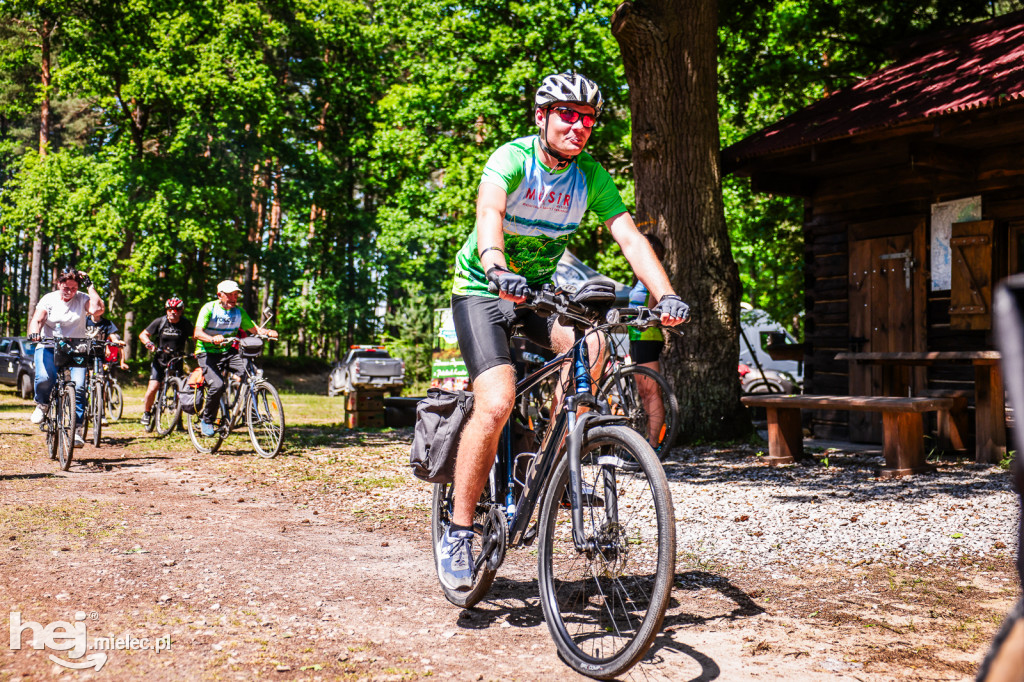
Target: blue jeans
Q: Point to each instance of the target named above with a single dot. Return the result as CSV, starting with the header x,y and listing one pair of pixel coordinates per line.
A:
x,y
46,373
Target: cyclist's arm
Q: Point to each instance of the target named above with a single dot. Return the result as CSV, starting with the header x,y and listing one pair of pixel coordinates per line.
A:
x,y
35,325
253,328
145,340
203,336
96,307
490,211
490,234
640,255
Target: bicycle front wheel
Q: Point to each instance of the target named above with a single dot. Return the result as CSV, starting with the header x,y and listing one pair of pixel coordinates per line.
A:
x,y
199,441
115,402
96,407
622,390
264,415
168,407
604,603
51,426
66,426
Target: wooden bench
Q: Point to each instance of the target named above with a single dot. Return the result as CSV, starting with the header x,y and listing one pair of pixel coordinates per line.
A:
x,y
902,425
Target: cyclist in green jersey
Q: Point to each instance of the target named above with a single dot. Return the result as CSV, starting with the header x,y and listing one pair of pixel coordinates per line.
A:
x,y
531,199
219,319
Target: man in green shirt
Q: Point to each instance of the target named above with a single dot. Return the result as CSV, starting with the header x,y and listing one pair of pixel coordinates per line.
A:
x,y
531,199
219,319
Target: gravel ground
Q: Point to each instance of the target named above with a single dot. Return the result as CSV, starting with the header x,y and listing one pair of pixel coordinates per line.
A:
x,y
733,509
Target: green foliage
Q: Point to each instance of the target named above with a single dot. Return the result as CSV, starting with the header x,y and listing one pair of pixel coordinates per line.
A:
x,y
326,154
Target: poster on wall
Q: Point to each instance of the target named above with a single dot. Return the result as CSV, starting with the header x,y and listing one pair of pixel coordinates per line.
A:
x,y
944,214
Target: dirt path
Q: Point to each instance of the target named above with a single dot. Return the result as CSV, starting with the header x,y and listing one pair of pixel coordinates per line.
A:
x,y
317,565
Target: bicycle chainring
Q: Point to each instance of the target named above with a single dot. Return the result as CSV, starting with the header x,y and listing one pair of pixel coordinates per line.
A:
x,y
495,537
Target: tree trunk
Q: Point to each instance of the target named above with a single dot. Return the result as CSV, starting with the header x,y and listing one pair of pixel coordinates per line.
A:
x,y
45,30
668,50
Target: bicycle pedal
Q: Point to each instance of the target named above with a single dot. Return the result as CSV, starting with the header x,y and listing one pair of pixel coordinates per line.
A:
x,y
530,535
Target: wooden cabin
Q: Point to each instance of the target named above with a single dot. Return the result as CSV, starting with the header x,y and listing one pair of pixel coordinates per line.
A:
x,y
913,188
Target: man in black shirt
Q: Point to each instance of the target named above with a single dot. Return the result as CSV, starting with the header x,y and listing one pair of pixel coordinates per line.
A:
x,y
169,334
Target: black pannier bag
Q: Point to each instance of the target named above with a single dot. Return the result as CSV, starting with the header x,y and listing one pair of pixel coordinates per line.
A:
x,y
439,420
187,400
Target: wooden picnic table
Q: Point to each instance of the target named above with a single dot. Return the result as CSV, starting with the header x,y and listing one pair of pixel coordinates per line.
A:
x,y
989,407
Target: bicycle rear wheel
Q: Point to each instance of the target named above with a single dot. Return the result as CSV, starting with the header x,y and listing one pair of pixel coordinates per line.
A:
x,y
168,407
66,426
220,428
264,415
624,397
440,519
115,401
604,605
96,407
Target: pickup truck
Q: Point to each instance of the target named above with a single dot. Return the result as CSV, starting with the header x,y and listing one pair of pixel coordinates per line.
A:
x,y
17,364
366,367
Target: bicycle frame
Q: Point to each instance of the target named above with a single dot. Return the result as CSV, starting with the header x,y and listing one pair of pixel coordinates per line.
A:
x,y
568,426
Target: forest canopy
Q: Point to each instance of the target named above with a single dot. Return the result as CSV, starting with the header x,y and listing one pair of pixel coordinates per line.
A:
x,y
326,154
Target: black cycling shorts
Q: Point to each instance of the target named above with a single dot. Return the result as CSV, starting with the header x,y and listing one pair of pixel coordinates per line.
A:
x,y
484,327
157,369
643,352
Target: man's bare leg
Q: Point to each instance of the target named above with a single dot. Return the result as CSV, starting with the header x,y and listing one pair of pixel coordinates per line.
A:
x,y
650,396
493,398
150,397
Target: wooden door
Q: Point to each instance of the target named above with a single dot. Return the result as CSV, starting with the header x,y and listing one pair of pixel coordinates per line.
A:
x,y
884,306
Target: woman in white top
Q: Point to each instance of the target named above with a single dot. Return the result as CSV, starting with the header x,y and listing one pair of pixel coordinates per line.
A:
x,y
62,312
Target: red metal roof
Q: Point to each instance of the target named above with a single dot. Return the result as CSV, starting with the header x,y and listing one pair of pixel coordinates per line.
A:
x,y
974,66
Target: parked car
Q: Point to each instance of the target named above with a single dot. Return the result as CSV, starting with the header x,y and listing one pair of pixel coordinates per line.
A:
x,y
366,367
766,381
17,364
763,374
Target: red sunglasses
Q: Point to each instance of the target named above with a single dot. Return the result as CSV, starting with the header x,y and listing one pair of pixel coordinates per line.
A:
x,y
571,116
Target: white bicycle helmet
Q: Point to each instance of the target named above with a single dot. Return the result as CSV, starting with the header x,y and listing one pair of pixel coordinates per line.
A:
x,y
569,87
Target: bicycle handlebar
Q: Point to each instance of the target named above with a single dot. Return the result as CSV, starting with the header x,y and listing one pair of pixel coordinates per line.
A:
x,y
548,300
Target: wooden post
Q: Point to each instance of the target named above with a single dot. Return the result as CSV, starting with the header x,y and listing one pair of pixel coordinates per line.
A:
x,y
903,444
785,435
989,414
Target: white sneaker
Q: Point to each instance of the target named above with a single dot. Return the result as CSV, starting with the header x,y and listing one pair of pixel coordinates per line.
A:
x,y
79,441
39,414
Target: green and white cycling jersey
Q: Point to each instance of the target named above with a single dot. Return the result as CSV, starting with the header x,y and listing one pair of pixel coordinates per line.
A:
x,y
213,320
543,209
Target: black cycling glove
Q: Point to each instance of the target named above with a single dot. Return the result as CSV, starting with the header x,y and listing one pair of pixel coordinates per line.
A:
x,y
84,281
673,306
509,282
34,336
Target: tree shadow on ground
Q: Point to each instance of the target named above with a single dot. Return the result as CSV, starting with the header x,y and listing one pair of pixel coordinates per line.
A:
x,y
23,477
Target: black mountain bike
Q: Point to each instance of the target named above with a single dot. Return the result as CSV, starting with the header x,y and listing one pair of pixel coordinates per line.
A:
x,y
96,392
113,398
167,406
59,423
605,526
